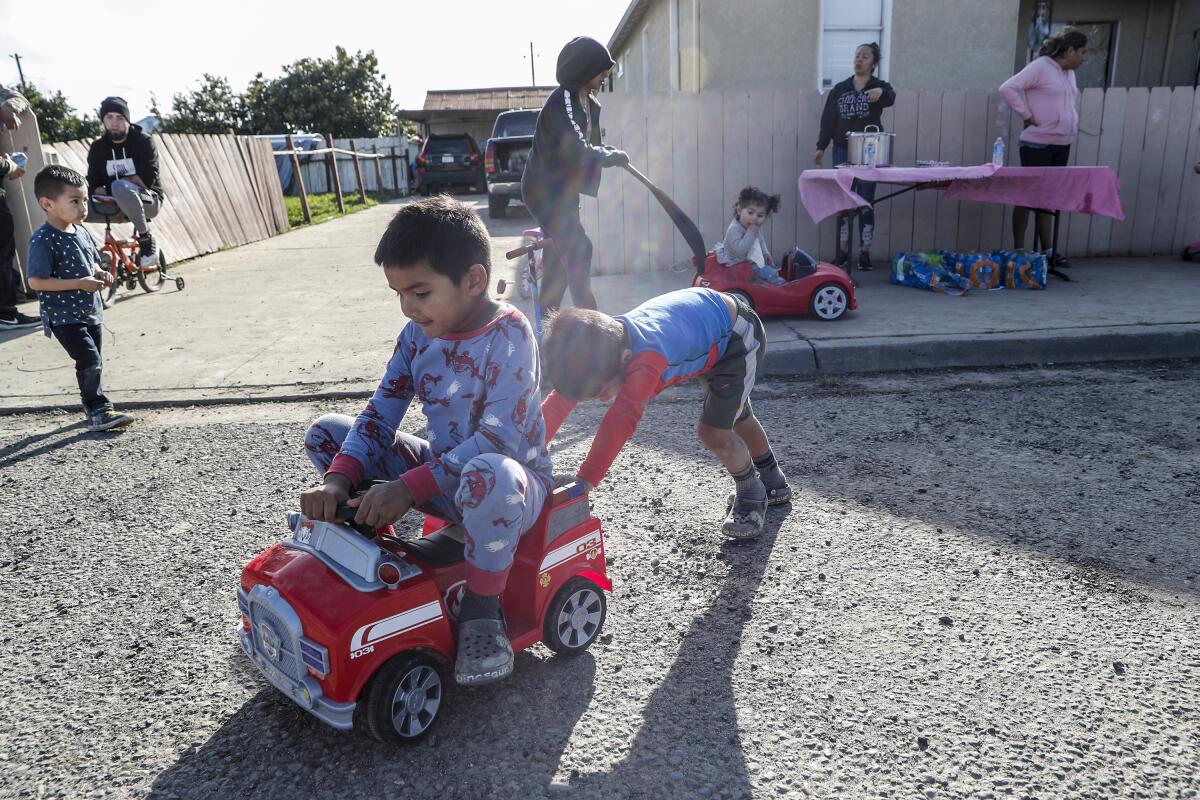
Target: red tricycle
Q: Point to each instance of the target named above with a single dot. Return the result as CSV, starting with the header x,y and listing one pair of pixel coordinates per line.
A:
x,y
813,287
357,626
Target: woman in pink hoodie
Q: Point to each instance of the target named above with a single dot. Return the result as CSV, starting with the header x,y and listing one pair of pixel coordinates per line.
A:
x,y
1043,94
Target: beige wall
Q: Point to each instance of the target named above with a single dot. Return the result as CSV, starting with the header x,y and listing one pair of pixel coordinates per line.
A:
x,y
777,46
971,49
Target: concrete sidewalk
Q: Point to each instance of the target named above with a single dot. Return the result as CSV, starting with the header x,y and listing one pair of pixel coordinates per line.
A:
x,y
308,314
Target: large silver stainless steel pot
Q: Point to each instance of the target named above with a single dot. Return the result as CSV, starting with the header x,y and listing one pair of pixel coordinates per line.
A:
x,y
856,147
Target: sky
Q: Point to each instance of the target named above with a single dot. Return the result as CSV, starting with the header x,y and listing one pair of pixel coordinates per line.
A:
x,y
89,49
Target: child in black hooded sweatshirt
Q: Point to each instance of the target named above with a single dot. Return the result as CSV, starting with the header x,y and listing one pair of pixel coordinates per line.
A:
x,y
565,161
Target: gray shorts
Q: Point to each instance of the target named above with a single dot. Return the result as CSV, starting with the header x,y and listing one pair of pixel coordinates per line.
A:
x,y
728,383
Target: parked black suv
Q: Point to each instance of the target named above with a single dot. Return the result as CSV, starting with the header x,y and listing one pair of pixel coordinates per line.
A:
x,y
449,159
505,157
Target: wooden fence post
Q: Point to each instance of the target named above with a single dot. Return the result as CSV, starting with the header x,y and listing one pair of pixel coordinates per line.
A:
x,y
362,190
299,181
378,168
331,166
395,174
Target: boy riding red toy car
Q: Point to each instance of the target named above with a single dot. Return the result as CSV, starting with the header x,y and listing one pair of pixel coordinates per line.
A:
x,y
355,625
813,287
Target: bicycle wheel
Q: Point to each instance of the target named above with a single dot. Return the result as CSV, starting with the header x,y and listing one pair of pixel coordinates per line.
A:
x,y
152,278
108,295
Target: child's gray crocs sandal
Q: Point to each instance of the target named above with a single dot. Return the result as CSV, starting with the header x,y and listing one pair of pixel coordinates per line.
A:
x,y
745,519
484,652
775,497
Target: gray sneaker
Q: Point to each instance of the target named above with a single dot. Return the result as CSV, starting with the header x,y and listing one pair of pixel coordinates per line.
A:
x,y
484,652
745,519
108,419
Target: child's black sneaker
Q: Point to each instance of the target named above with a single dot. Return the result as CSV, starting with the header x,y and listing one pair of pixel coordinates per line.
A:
x,y
745,518
864,262
108,419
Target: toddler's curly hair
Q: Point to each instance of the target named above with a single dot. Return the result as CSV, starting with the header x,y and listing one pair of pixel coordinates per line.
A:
x,y
754,196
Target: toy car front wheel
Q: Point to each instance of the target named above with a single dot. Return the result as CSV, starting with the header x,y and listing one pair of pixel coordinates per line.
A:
x,y
829,301
575,617
403,699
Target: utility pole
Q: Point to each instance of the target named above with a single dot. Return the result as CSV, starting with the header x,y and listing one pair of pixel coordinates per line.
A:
x,y
532,72
21,72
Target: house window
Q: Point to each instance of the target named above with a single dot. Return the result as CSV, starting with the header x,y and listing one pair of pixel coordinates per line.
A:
x,y
1097,68
845,24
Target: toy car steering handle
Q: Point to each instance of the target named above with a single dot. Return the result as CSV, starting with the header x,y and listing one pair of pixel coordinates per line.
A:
x,y
346,513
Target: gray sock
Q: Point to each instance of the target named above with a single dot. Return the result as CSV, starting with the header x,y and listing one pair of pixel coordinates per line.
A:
x,y
748,485
768,470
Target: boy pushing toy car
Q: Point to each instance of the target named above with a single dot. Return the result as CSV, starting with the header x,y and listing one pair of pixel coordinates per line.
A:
x,y
689,333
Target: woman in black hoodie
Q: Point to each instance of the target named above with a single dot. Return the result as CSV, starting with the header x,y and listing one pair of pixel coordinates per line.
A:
x,y
565,161
850,107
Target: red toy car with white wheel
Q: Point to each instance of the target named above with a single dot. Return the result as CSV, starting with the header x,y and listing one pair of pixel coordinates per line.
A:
x,y
813,287
358,626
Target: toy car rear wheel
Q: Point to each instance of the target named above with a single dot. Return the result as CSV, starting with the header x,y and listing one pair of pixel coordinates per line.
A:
x,y
403,699
745,298
829,302
575,617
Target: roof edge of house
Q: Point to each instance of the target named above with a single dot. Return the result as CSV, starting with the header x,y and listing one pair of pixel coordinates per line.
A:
x,y
633,14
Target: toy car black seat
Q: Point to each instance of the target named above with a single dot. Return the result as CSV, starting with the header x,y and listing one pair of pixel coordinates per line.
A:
x,y
797,264
439,548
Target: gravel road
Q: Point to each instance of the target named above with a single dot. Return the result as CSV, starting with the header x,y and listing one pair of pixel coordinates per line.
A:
x,y
988,586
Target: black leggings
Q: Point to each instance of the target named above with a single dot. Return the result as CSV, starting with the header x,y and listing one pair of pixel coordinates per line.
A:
x,y
568,257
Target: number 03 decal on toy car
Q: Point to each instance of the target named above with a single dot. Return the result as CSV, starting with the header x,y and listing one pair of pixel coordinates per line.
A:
x,y
375,632
569,551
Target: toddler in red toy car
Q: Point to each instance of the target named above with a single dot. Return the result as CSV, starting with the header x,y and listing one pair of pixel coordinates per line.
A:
x,y
473,365
688,333
743,238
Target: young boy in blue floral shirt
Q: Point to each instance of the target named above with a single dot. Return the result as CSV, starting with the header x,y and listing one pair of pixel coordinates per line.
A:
x,y
64,270
473,365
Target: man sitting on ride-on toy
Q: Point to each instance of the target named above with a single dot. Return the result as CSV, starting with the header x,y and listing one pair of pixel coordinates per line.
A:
x,y
473,364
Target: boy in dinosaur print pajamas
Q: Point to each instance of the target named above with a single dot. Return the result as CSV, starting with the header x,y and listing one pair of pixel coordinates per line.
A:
x,y
473,365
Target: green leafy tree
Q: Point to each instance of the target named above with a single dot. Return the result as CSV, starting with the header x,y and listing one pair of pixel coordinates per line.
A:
x,y
213,107
57,120
345,95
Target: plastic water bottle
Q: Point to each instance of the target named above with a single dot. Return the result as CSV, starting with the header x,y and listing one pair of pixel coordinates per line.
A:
x,y
869,153
998,152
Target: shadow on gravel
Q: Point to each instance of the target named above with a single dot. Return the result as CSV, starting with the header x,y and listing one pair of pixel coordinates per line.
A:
x,y
688,745
16,452
500,741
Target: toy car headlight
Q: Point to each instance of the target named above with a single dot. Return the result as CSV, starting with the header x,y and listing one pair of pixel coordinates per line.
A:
x,y
389,574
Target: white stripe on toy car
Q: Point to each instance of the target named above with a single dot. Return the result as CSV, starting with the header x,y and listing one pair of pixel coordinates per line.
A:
x,y
375,632
569,551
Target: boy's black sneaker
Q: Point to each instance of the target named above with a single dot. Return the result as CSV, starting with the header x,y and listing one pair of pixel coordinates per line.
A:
x,y
864,262
147,249
107,420
17,321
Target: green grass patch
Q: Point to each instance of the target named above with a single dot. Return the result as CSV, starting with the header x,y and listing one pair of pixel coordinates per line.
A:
x,y
324,206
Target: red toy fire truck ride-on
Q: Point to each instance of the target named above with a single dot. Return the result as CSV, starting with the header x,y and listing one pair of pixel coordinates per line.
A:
x,y
813,287
357,626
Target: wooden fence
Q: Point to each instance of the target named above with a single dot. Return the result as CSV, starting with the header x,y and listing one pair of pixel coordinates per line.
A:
x,y
702,148
393,167
221,191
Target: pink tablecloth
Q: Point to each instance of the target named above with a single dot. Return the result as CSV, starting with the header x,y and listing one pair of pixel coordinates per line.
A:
x,y
1084,190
